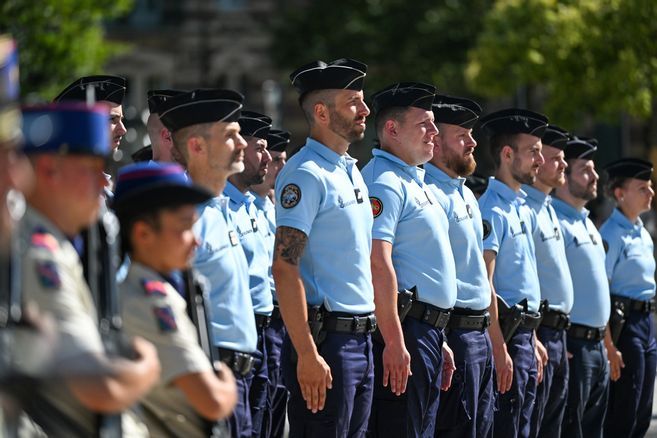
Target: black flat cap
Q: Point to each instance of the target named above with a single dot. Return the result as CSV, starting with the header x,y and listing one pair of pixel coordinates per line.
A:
x,y
156,97
200,106
581,148
254,124
456,111
515,121
277,140
630,168
403,94
109,88
555,137
341,74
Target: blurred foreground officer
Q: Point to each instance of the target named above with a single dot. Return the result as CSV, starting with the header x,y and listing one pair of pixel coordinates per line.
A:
x,y
322,259
556,286
631,272
107,89
274,419
67,145
515,144
156,207
466,409
160,136
588,379
410,254
206,137
254,127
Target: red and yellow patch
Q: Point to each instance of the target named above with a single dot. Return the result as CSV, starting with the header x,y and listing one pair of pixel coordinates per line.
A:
x,y
377,206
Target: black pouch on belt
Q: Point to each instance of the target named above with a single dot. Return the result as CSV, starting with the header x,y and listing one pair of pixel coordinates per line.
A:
x,y
510,317
405,300
617,318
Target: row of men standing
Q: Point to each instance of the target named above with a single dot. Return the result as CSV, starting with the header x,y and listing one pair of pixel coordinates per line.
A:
x,y
423,255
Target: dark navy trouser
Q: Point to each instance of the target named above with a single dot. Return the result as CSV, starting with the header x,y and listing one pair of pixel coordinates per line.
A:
x,y
630,397
466,409
514,407
412,414
348,402
588,389
239,421
258,382
273,424
552,392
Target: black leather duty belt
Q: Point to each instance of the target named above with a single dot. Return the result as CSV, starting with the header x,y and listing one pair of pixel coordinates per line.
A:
x,y
240,363
466,319
530,321
429,314
262,321
556,320
634,305
345,323
586,333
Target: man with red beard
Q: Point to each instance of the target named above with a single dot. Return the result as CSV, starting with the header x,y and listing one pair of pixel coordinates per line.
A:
x,y
588,382
515,145
466,409
556,287
254,127
322,258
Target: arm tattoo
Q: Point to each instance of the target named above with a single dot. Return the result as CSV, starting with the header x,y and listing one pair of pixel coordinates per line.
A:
x,y
289,244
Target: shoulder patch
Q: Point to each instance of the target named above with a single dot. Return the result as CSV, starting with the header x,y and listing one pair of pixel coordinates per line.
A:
x,y
44,240
290,196
154,287
605,244
47,274
487,228
377,206
165,319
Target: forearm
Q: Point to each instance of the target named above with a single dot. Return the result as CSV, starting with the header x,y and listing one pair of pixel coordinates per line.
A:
x,y
384,281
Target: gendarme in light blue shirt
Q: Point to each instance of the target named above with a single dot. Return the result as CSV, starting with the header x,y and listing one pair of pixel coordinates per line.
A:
x,y
630,258
408,216
254,246
323,195
508,224
586,259
221,260
465,236
553,271
267,226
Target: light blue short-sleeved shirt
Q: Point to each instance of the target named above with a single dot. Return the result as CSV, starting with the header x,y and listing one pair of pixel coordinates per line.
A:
x,y
221,260
553,271
253,243
630,261
323,195
408,216
586,259
465,236
267,226
508,224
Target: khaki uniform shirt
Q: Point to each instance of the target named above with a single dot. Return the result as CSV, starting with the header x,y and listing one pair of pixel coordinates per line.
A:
x,y
53,278
153,309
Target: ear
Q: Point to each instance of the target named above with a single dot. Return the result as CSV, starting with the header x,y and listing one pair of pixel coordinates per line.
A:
x,y
391,128
618,193
165,136
506,153
321,112
140,234
196,145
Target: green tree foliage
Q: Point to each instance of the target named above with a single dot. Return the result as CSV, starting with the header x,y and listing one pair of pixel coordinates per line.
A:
x,y
59,40
424,40
584,57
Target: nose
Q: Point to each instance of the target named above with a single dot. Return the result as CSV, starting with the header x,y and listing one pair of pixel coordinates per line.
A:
x,y
120,128
539,159
433,130
363,109
266,157
241,143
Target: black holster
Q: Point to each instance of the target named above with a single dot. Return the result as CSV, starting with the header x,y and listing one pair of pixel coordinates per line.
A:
x,y
510,317
405,300
617,319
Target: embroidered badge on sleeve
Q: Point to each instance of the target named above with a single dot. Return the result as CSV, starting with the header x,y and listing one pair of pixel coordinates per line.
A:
x,y
290,195
165,319
47,274
377,206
